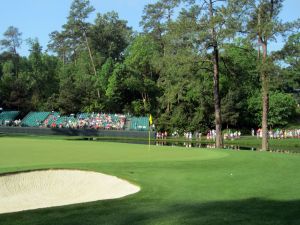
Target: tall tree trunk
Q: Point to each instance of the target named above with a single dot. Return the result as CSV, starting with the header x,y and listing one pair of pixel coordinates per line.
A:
x,y
217,102
265,98
63,59
90,53
92,60
145,98
259,32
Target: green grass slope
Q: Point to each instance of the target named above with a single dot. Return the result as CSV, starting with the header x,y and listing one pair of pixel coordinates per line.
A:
x,y
179,185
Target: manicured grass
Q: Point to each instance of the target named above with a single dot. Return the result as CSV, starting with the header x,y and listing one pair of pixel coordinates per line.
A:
x,y
179,185
291,144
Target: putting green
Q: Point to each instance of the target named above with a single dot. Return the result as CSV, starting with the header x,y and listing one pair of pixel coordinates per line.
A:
x,y
16,152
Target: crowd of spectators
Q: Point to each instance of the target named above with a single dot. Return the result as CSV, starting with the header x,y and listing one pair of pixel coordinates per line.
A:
x,y
161,135
229,134
91,121
211,135
188,135
279,133
236,134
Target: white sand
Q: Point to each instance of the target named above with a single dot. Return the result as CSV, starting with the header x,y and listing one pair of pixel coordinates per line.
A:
x,y
48,188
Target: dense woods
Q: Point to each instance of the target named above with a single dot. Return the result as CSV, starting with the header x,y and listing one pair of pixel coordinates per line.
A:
x,y
197,65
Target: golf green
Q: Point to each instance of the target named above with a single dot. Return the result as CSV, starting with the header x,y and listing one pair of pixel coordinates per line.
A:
x,y
178,185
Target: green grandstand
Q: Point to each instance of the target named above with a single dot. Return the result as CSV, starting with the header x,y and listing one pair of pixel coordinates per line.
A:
x,y
8,116
34,119
139,123
85,120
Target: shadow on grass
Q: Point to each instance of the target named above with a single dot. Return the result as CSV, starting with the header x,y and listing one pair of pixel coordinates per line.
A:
x,y
129,212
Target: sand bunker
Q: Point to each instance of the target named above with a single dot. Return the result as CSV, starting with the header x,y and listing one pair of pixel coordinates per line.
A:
x,y
48,188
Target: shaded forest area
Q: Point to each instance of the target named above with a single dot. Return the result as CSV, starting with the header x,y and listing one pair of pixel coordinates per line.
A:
x,y
192,59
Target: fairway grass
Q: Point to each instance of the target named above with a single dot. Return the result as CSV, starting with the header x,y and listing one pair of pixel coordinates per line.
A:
x,y
178,185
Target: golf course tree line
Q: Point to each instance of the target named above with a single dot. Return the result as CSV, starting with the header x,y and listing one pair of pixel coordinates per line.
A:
x,y
197,65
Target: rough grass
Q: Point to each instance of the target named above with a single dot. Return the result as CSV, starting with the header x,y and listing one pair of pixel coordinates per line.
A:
x,y
179,185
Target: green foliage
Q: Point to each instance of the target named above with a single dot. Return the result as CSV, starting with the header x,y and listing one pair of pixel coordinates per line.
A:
x,y
141,72
113,91
138,107
240,80
113,82
110,36
12,39
288,80
8,68
140,54
15,92
76,25
282,107
291,51
104,74
167,70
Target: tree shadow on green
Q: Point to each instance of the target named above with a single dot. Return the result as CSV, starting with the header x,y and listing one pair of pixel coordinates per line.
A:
x,y
124,212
